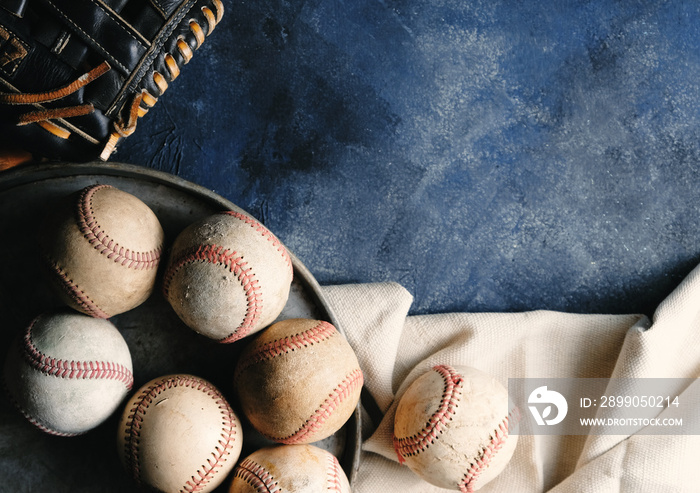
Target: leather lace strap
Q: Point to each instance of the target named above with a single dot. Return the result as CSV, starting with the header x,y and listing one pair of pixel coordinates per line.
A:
x,y
55,94
43,114
55,113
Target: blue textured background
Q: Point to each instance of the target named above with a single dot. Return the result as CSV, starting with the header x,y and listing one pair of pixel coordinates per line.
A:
x,y
488,155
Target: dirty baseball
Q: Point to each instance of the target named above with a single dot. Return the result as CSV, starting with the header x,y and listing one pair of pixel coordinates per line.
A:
x,y
453,428
178,433
228,276
298,381
290,468
102,247
67,372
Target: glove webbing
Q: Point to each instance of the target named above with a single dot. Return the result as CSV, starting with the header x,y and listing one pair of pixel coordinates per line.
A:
x,y
126,126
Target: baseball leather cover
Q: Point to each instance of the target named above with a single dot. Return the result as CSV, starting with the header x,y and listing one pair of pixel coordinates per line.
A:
x,y
76,75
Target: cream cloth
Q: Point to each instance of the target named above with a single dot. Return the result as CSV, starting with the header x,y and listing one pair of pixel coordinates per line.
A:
x,y
394,348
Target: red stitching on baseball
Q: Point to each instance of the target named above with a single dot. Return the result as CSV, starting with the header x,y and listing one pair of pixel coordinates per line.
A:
x,y
94,370
349,384
75,293
498,438
265,232
320,332
96,236
216,254
136,416
333,474
256,476
411,445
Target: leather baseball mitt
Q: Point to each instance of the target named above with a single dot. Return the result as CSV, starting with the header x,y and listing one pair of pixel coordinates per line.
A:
x,y
76,75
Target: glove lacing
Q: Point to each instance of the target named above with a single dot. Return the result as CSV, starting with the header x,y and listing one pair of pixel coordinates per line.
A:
x,y
43,115
126,125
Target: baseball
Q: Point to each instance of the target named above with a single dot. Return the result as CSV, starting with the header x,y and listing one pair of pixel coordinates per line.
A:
x,y
452,428
178,433
68,372
102,247
228,276
290,468
299,381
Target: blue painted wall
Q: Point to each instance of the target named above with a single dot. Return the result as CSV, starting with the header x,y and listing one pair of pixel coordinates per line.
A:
x,y
488,155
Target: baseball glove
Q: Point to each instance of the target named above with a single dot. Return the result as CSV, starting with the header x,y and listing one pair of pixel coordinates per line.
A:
x,y
76,75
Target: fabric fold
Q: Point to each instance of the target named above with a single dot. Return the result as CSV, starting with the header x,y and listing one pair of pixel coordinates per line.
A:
x,y
372,316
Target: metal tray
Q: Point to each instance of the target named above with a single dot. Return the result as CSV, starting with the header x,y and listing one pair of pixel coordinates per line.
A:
x,y
160,343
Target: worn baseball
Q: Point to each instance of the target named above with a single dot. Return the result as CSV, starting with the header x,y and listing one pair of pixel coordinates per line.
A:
x,y
228,276
298,381
451,428
68,372
178,433
102,247
289,468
